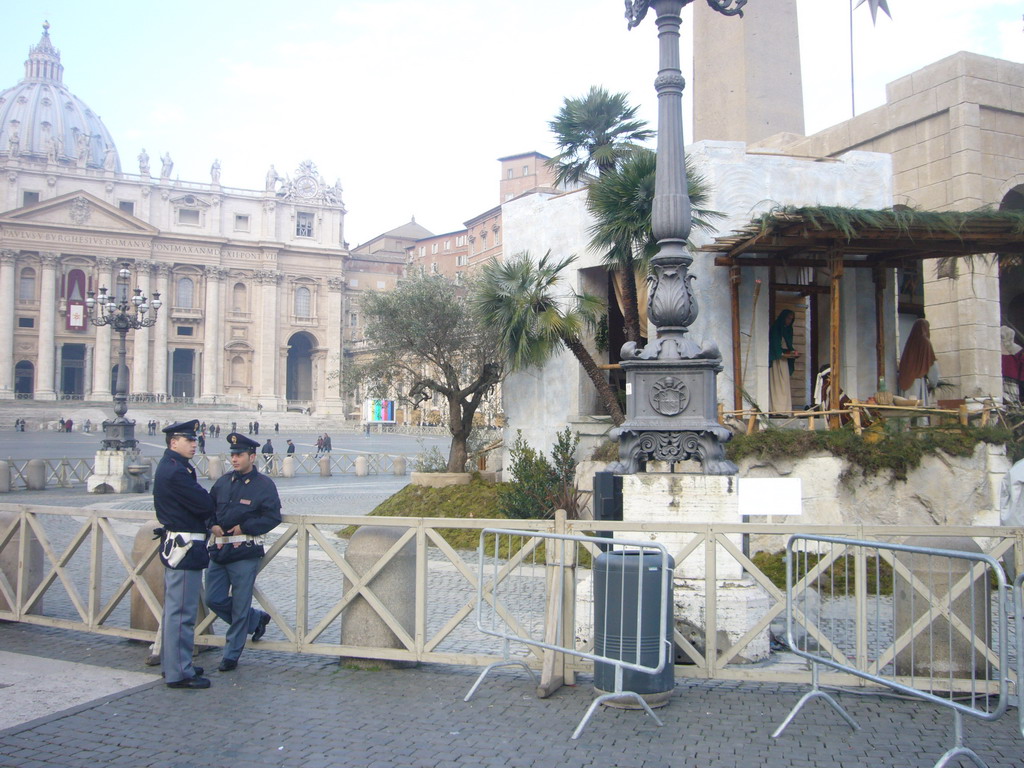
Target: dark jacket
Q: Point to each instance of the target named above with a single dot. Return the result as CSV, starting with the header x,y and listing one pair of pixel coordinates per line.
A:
x,y
182,504
249,501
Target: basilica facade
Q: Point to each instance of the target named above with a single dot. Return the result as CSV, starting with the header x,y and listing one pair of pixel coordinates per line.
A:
x,y
252,281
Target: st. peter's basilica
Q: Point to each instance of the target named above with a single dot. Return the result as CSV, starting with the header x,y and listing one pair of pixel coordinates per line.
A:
x,y
251,280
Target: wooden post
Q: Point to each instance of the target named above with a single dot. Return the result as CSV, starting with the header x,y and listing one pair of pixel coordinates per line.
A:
x,y
878,275
836,268
737,362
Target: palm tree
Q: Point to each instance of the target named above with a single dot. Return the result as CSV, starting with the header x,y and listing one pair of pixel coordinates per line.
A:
x,y
520,297
621,202
594,133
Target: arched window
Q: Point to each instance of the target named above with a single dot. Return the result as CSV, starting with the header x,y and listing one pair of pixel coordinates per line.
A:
x,y
27,285
303,300
238,370
183,293
239,301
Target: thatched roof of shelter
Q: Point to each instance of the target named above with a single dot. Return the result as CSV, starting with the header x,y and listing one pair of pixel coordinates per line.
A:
x,y
808,236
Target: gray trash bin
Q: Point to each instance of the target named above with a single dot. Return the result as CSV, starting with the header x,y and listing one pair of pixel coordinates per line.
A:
x,y
621,622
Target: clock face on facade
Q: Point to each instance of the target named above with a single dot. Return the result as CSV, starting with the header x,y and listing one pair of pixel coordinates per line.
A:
x,y
306,186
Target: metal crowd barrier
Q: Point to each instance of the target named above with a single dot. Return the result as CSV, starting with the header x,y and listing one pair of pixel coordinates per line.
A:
x,y
526,593
928,623
1018,626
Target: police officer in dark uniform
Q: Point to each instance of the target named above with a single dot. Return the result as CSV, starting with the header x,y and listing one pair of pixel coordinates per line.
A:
x,y
184,509
248,507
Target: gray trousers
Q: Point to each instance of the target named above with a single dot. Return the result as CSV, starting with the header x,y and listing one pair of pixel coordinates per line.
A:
x,y
234,608
181,603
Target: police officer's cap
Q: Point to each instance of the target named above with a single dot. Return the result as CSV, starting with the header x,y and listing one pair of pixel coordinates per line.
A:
x,y
183,429
239,443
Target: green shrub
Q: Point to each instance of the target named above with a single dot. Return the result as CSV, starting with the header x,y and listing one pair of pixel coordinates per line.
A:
x,y
533,482
431,460
838,579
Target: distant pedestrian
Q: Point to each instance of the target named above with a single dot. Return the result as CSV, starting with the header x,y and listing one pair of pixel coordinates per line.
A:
x,y
255,427
60,424
69,425
234,426
276,428
268,457
250,427
327,443
202,442
88,425
259,407
319,446
291,448
366,429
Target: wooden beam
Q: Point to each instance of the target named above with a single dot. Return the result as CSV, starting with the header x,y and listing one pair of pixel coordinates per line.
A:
x,y
836,264
878,275
737,363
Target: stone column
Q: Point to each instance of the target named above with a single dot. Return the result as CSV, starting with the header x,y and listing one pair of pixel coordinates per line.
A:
x,y
140,355
267,349
47,326
87,373
333,362
101,359
211,335
7,298
318,379
160,331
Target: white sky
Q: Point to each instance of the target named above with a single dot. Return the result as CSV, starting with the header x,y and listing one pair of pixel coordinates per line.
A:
x,y
410,103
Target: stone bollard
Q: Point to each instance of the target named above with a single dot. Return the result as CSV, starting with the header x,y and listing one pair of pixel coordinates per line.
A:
x,y
936,650
325,466
288,466
215,466
153,574
398,466
362,466
5,477
35,475
9,559
395,587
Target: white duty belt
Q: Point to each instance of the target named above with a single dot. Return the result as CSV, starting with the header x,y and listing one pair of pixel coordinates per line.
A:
x,y
240,539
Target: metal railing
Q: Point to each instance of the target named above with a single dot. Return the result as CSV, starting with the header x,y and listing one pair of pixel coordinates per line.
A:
x,y
518,570
59,473
926,622
85,588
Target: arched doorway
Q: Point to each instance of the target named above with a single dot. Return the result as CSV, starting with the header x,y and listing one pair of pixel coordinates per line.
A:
x,y
72,370
299,382
24,380
183,378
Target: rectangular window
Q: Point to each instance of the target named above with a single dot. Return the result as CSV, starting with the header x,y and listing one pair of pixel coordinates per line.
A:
x,y
447,245
423,251
353,282
29,198
460,241
127,206
433,248
188,216
381,285
26,322
304,224
241,222
461,260
184,330
526,170
353,319
508,174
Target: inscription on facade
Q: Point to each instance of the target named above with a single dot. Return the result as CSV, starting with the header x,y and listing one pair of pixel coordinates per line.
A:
x,y
70,238
181,249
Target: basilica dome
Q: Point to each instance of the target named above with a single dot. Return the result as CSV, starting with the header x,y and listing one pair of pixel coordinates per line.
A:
x,y
41,120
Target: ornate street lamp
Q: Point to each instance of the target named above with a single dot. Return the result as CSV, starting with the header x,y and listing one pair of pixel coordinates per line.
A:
x,y
671,400
123,313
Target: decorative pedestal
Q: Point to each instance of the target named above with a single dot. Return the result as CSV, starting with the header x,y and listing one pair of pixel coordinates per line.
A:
x,y
699,499
119,472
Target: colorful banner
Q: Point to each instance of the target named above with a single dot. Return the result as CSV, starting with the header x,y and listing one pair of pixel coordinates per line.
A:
x,y
380,411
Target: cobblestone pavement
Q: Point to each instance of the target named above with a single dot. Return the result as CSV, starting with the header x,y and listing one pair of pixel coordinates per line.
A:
x,y
308,712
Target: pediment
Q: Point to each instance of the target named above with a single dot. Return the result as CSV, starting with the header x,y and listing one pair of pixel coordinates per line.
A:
x,y
80,211
190,201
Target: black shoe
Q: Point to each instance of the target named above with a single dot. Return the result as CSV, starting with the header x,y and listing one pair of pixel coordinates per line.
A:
x,y
226,665
199,670
195,683
261,629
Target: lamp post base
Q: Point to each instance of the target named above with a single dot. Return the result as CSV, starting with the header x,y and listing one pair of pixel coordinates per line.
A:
x,y
119,472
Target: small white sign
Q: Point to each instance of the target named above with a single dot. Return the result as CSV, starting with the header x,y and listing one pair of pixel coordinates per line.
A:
x,y
770,495
629,387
